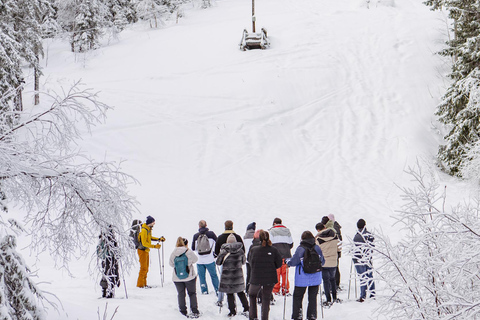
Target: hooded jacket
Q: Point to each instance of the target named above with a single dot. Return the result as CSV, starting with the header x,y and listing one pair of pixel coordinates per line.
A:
x,y
222,239
303,279
146,237
192,258
232,258
212,238
282,240
328,241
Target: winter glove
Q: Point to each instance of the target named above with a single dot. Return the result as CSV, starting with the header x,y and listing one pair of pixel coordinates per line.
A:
x,y
161,239
157,246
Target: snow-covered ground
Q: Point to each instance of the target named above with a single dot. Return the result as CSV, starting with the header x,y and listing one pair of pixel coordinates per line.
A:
x,y
325,121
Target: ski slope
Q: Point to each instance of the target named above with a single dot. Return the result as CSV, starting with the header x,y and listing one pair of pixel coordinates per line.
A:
x,y
324,121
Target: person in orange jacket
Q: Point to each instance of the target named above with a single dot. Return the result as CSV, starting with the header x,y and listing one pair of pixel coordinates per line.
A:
x,y
146,238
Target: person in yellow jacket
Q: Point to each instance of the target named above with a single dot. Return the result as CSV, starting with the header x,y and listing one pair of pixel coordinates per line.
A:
x,y
146,238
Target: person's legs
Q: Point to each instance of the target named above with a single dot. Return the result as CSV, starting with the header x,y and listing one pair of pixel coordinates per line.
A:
x,y
252,295
231,304
371,282
361,271
143,258
276,288
192,294
211,268
283,275
247,281
312,302
333,285
266,296
220,294
327,284
243,300
201,269
337,273
298,293
182,306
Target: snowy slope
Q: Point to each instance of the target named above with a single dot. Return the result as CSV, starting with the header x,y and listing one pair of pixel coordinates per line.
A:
x,y
325,121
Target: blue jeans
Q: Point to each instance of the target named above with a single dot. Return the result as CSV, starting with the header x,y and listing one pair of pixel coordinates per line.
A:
x,y
202,268
329,285
220,295
366,280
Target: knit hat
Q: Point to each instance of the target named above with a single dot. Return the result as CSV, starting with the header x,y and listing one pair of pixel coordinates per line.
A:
x,y
257,234
252,226
361,224
150,219
231,238
331,217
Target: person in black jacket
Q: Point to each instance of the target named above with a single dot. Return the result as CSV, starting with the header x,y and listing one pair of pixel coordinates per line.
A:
x,y
264,261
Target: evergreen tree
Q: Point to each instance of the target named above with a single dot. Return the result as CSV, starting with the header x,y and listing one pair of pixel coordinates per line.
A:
x,y
459,110
10,56
121,13
87,25
152,11
18,294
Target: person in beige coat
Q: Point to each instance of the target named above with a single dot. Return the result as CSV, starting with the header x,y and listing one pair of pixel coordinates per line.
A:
x,y
327,240
187,284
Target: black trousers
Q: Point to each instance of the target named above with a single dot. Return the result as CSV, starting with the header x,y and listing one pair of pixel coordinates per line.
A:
x,y
231,301
266,294
191,288
298,293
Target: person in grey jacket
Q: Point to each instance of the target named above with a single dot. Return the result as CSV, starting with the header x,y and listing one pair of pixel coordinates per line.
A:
x,y
189,284
282,240
232,258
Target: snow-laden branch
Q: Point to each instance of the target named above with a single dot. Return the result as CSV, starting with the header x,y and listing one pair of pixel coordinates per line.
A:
x,y
432,273
69,198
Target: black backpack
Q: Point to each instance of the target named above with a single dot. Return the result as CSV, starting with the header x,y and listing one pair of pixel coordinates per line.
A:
x,y
311,260
135,234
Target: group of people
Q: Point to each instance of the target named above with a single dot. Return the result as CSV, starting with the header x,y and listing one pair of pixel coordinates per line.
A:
x,y
267,256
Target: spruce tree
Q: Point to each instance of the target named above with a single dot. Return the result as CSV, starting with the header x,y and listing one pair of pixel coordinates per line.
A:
x,y
18,294
86,26
121,13
459,110
10,56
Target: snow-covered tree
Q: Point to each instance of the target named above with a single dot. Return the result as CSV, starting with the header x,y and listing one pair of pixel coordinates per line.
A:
x,y
19,296
152,11
459,110
87,26
432,273
11,77
121,13
70,199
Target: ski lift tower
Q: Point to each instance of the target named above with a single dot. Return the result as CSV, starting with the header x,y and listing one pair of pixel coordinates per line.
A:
x,y
254,40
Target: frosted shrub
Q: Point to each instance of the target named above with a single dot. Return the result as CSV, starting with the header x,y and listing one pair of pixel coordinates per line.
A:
x,y
432,273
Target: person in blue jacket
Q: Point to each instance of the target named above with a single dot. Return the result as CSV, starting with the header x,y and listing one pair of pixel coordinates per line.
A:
x,y
305,280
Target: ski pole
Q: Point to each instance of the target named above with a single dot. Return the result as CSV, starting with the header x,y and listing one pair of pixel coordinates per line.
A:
x,y
123,276
284,294
163,264
160,266
350,279
321,299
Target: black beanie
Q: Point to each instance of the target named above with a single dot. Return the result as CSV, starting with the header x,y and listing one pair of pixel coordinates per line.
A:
x,y
361,224
149,220
252,226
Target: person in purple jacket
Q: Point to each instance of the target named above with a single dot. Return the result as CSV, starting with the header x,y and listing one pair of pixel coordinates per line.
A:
x,y
305,280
